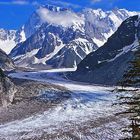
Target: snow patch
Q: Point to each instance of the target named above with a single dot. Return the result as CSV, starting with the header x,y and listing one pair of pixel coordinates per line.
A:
x,y
7,45
99,42
22,59
22,34
132,47
49,56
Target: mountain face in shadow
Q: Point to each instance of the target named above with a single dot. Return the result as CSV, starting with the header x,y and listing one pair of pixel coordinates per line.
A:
x,y
109,63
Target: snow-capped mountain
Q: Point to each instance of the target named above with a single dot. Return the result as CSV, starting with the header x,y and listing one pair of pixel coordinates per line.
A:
x,y
109,63
37,18
100,25
60,37
7,42
10,38
46,45
54,42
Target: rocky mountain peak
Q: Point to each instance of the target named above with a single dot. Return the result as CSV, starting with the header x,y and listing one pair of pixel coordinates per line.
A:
x,y
7,34
55,8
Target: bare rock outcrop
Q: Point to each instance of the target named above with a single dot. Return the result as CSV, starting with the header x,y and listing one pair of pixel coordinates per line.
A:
x,y
7,90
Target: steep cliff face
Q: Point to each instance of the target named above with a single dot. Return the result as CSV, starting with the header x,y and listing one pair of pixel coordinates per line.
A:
x,y
108,64
6,62
7,90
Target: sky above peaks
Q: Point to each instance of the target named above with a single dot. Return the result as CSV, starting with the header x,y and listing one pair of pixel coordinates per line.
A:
x,y
14,13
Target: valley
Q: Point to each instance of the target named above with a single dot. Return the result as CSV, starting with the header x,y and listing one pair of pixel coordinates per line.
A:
x,y
69,71
84,111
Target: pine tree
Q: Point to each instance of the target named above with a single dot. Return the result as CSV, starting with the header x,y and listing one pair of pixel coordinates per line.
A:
x,y
132,76
2,75
134,115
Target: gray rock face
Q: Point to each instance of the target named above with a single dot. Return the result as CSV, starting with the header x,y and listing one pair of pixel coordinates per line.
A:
x,y
6,34
108,64
7,90
59,37
72,54
6,62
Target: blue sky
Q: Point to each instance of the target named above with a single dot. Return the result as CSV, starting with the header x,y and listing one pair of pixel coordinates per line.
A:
x,y
14,13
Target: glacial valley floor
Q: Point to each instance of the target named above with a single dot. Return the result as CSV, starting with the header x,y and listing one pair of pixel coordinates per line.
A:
x,y
49,107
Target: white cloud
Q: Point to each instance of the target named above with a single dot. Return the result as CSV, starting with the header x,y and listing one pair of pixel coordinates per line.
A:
x,y
105,1
18,2
64,19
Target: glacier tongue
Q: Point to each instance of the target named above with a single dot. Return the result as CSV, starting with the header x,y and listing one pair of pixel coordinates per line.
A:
x,y
88,110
